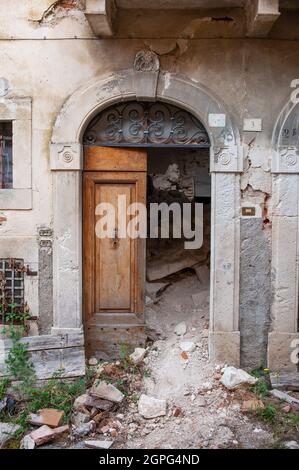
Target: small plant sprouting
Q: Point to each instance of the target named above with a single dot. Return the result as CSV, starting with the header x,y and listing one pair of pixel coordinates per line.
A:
x,y
268,414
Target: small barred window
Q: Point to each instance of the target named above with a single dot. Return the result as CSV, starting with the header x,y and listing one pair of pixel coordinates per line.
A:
x,y
11,285
5,154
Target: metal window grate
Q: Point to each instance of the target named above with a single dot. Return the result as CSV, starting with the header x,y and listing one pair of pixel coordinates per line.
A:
x,y
135,124
12,282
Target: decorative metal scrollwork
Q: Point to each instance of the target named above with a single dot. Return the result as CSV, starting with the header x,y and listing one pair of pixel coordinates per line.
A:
x,y
144,123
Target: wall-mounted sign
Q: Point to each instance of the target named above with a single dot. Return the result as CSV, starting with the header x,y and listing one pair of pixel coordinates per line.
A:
x,y
217,120
252,125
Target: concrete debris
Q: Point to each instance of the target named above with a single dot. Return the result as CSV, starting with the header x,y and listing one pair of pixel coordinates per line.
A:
x,y
100,369
98,403
93,361
80,418
102,389
111,426
50,417
138,355
207,386
27,442
187,346
181,329
80,401
7,431
98,444
84,429
285,380
285,397
233,378
3,404
291,445
150,407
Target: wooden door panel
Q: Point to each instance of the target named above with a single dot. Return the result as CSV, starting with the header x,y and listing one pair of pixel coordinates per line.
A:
x,y
114,159
113,270
114,258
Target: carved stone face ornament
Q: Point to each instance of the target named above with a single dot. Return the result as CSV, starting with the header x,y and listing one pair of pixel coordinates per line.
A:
x,y
146,61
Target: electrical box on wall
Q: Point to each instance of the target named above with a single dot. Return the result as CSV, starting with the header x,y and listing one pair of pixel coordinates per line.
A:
x,y
251,211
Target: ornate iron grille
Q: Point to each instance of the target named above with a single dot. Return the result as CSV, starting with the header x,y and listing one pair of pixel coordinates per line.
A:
x,y
12,282
145,124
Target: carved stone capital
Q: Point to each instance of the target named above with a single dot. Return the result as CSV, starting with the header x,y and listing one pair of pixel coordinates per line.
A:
x,y
226,159
287,160
66,156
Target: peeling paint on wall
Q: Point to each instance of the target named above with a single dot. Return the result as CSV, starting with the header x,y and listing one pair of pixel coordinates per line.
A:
x,y
57,11
2,219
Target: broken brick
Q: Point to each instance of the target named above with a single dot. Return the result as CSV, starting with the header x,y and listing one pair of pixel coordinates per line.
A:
x,y
47,416
98,403
286,408
252,405
42,435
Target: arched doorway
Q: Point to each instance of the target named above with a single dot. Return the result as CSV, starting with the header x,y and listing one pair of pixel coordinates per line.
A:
x,y
226,163
284,333
155,154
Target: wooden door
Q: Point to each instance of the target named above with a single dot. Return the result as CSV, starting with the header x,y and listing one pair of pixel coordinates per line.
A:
x,y
113,268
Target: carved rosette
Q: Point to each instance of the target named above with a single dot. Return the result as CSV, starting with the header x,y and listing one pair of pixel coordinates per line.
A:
x,y
225,159
222,156
289,158
67,157
146,61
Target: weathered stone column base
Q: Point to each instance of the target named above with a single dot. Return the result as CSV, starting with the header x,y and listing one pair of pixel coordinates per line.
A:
x,y
282,349
55,330
224,347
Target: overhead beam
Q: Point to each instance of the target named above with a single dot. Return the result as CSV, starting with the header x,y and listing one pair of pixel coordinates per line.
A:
x,y
100,14
261,16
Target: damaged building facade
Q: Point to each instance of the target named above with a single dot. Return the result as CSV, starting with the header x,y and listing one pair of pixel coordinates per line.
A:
x,y
194,100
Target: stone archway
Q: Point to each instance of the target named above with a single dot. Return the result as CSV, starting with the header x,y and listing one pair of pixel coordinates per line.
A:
x,y
226,162
284,335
